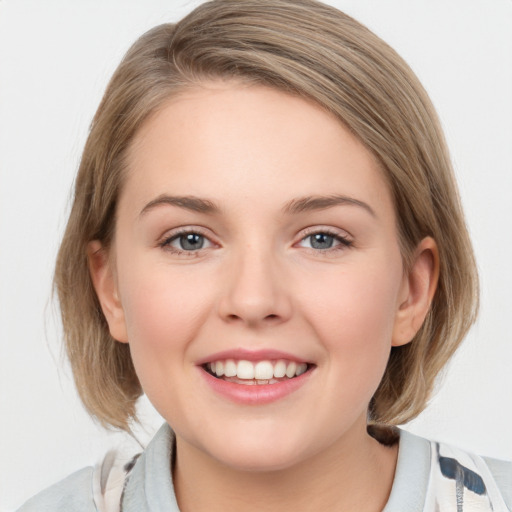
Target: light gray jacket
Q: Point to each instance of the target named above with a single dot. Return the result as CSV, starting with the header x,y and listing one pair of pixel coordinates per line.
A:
x,y
429,477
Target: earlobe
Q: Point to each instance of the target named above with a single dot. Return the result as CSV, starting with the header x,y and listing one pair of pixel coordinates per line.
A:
x,y
104,282
418,289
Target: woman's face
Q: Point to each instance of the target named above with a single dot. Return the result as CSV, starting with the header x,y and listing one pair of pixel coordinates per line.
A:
x,y
256,233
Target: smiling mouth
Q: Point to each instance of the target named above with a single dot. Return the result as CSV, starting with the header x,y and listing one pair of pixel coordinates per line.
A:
x,y
256,373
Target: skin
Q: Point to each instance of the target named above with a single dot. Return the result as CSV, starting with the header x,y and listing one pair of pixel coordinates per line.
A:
x,y
258,283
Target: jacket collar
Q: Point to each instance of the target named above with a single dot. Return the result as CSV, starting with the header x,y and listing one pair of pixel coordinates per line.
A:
x,y
149,486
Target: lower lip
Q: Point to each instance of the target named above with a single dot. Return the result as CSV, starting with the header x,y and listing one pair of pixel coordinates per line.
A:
x,y
256,394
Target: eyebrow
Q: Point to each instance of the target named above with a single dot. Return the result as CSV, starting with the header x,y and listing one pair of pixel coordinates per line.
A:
x,y
314,203
192,203
298,205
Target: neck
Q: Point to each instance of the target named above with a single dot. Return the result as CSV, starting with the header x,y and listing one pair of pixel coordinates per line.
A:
x,y
339,479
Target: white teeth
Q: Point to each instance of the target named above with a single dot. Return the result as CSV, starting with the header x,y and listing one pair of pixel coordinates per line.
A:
x,y
280,369
291,369
263,370
219,368
245,370
230,368
301,368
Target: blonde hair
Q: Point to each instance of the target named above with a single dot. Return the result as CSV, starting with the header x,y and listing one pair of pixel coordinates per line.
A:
x,y
305,48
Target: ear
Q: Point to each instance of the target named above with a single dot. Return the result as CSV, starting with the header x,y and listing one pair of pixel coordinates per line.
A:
x,y
416,293
104,282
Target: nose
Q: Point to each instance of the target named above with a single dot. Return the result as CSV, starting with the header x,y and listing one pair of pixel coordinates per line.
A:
x,y
255,291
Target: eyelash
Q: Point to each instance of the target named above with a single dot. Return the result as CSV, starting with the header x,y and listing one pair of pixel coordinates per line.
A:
x,y
166,242
344,242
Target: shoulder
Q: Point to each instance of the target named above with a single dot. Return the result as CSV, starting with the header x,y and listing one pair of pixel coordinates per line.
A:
x,y
92,489
502,472
73,493
452,477
476,475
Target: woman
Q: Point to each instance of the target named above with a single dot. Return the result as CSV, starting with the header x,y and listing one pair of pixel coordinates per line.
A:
x,y
364,290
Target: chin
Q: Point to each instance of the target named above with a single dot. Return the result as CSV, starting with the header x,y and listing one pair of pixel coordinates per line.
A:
x,y
258,450
259,460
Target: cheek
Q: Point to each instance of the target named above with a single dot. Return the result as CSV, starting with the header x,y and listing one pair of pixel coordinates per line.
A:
x,y
162,312
353,314
162,315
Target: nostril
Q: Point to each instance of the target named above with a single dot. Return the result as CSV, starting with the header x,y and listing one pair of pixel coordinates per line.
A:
x,y
268,317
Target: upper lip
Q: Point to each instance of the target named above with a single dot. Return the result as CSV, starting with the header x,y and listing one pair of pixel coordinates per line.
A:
x,y
250,355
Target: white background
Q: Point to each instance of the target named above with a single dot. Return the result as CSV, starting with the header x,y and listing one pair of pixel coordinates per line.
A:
x,y
55,60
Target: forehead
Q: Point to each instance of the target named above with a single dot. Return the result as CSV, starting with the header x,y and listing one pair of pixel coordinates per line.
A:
x,y
225,140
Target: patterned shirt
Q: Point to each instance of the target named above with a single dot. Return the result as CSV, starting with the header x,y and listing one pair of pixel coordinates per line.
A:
x,y
429,477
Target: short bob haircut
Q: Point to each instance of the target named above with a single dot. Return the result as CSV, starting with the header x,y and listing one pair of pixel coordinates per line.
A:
x,y
307,49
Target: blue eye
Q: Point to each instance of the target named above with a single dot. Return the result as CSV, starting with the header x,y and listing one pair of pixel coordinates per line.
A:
x,y
191,241
186,242
323,241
